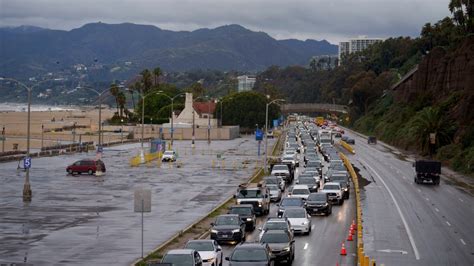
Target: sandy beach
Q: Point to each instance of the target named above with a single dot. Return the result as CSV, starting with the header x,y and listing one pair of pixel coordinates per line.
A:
x,y
53,123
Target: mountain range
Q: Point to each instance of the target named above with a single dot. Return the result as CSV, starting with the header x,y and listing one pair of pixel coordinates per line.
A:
x,y
128,48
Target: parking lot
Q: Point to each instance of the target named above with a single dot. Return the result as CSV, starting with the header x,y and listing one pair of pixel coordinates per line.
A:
x,y
89,220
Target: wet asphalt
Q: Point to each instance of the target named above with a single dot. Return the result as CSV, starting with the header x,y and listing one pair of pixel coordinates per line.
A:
x,y
89,220
407,223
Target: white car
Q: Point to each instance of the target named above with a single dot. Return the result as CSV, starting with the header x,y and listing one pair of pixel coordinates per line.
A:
x,y
334,191
281,170
275,192
300,221
299,191
169,156
208,249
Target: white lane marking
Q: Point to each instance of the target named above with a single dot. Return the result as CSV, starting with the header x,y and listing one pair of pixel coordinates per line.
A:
x,y
403,252
461,200
312,227
305,246
462,241
410,235
448,223
436,209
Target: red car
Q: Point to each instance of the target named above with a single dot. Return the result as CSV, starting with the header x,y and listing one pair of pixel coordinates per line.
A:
x,y
86,166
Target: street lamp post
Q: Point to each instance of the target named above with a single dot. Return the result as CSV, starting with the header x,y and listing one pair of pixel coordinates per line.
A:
x,y
209,121
121,130
266,130
42,136
99,94
27,193
193,135
3,139
172,111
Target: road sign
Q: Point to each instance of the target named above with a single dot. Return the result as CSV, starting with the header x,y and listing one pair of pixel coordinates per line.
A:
x,y
27,162
259,134
142,201
100,149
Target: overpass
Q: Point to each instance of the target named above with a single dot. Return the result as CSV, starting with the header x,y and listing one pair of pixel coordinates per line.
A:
x,y
313,108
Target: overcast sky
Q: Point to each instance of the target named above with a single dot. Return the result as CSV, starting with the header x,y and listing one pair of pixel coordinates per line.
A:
x,y
334,20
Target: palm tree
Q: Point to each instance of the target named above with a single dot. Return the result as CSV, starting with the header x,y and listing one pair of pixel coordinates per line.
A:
x,y
428,121
121,100
114,91
463,13
157,74
146,81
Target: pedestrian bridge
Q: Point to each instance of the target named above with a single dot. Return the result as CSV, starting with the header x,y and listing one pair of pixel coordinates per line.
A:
x,y
313,108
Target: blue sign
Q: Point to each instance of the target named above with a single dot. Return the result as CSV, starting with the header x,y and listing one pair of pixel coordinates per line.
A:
x,y
27,162
100,149
276,123
259,134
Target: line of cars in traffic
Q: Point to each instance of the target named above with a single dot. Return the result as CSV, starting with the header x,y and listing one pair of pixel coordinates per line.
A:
x,y
312,192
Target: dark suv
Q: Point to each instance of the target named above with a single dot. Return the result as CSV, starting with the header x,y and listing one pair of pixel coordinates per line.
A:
x,y
318,203
281,243
254,254
228,228
86,166
246,214
289,202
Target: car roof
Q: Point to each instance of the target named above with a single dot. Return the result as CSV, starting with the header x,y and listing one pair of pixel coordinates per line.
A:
x,y
276,231
332,183
184,251
243,205
232,215
300,187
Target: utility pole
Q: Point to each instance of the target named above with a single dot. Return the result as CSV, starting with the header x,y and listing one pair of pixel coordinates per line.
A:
x,y
42,136
266,131
209,122
3,139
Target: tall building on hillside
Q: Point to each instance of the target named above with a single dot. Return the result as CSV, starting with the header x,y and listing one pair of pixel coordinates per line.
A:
x,y
246,83
356,45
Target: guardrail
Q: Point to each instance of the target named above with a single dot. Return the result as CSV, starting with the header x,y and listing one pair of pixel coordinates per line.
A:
x,y
362,259
347,146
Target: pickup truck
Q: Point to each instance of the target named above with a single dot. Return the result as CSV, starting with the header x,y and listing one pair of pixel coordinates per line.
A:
x,y
427,171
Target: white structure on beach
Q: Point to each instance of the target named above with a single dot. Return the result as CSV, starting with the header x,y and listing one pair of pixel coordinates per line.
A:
x,y
202,111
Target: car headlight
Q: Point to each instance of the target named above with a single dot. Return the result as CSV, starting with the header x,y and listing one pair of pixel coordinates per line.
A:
x,y
314,187
287,249
325,204
259,204
249,219
305,223
235,230
211,260
214,231
346,189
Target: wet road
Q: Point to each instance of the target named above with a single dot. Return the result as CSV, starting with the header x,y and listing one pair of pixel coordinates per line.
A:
x,y
322,246
410,224
88,220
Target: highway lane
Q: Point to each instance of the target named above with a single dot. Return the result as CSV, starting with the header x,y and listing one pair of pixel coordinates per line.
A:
x,y
322,246
410,224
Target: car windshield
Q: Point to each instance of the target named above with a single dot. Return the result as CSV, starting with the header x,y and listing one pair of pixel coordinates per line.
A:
x,y
201,246
168,152
280,167
295,213
273,187
275,225
238,210
227,220
331,187
249,255
253,193
339,167
305,181
317,197
271,181
290,202
300,191
288,158
178,259
275,238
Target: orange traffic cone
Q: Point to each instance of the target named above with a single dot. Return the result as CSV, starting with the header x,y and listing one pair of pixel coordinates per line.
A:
x,y
349,237
343,250
352,231
354,225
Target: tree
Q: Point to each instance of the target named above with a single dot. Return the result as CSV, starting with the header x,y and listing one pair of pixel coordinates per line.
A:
x,y
312,64
157,74
121,101
146,81
114,91
197,89
463,14
430,120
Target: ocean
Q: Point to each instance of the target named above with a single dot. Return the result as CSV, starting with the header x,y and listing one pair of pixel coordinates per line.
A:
x,y
23,107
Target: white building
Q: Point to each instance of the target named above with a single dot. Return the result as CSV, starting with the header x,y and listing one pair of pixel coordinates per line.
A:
x,y
200,110
245,83
356,45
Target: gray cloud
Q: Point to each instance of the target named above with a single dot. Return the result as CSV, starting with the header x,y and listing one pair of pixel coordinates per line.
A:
x,y
334,20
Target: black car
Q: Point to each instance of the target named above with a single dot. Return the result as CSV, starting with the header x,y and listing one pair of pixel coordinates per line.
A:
x,y
281,243
289,202
371,140
254,254
318,203
350,141
310,182
246,214
228,228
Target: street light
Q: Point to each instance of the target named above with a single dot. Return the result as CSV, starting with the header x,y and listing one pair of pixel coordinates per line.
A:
x,y
266,129
172,110
193,135
121,130
222,110
27,193
100,110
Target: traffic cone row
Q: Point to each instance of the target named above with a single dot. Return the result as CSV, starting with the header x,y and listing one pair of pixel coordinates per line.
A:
x,y
343,250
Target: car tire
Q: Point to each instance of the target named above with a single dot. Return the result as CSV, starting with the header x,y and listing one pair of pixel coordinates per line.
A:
x,y
220,262
90,172
69,171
